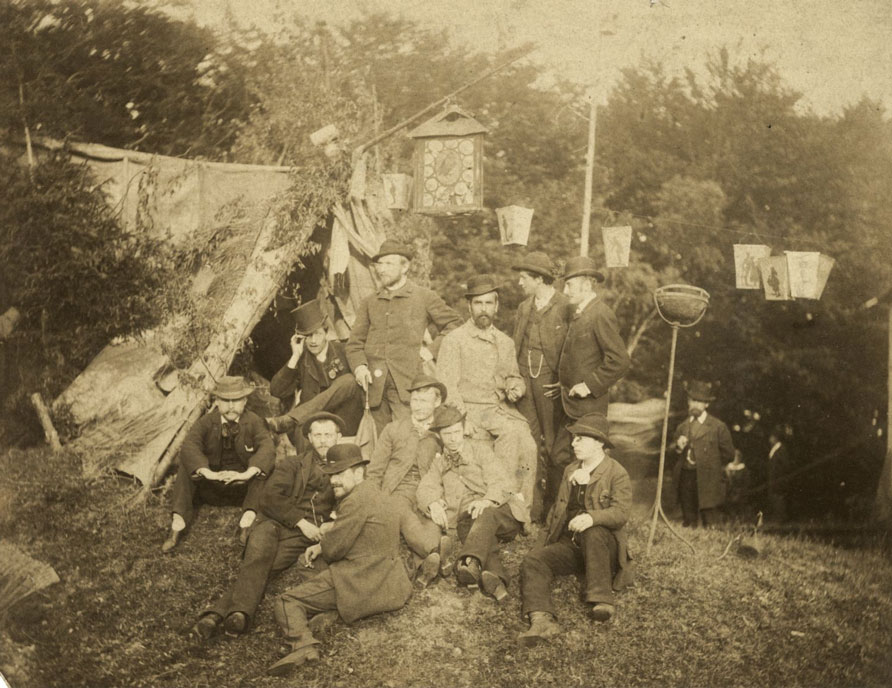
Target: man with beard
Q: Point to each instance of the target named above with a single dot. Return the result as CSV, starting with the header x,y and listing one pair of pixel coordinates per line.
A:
x,y
386,346
226,456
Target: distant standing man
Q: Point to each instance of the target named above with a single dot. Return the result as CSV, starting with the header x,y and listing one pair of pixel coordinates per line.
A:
x,y
704,446
539,331
593,359
778,468
385,348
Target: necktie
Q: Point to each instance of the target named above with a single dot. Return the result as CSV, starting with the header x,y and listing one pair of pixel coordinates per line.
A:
x,y
230,432
452,458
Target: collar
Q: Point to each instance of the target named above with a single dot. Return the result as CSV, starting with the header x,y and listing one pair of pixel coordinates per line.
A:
x,y
487,335
701,418
594,466
322,356
394,290
585,302
423,427
540,303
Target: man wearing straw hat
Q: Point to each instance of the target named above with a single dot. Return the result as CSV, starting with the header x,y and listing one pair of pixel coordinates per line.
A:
x,y
224,459
386,345
319,370
540,327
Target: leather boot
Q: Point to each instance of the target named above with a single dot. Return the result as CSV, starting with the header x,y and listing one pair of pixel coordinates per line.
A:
x,y
303,649
542,627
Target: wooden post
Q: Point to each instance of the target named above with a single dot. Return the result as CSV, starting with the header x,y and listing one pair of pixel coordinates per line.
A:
x,y
43,413
589,174
883,501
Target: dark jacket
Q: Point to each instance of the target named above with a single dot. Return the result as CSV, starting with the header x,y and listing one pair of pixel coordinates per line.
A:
x,y
398,448
713,448
203,446
298,489
554,319
307,376
778,468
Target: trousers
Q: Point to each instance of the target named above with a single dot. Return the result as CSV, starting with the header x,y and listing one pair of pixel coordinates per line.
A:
x,y
297,605
421,534
188,490
481,537
540,412
391,408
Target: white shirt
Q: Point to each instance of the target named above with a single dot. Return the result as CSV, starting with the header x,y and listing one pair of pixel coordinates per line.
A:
x,y
541,302
322,356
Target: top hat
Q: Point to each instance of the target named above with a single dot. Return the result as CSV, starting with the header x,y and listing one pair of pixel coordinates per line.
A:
x,y
308,317
423,381
232,387
537,263
444,416
700,391
592,425
582,266
322,415
481,284
341,457
393,248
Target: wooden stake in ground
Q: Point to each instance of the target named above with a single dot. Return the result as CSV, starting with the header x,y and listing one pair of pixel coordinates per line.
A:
x,y
43,413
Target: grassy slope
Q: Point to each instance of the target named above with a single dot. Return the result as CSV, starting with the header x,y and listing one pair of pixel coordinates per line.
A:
x,y
803,614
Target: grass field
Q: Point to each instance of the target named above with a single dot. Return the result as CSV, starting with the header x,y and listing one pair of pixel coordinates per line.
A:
x,y
803,614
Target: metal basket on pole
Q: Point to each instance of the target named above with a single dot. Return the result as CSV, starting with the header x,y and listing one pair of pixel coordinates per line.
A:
x,y
680,305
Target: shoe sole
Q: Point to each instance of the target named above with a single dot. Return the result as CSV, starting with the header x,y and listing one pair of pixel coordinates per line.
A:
x,y
492,585
601,615
287,664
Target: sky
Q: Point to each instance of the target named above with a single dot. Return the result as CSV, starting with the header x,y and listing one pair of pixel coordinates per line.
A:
x,y
833,52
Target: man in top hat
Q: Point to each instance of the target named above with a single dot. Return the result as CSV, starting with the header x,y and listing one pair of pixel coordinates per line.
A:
x,y
478,364
295,509
402,454
386,346
540,327
584,534
319,370
365,573
704,445
466,490
226,456
593,359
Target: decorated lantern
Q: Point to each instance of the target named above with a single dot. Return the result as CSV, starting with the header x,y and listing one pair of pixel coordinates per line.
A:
x,y
617,244
746,264
397,189
514,224
808,272
775,278
448,163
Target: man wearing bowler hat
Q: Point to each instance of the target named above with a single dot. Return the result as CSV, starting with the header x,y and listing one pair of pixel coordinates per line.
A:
x,y
584,534
365,573
704,446
386,346
319,370
540,327
226,456
478,365
593,359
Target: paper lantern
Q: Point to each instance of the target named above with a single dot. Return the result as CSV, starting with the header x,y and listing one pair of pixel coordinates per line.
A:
x,y
514,224
775,279
448,163
397,188
808,271
746,264
617,244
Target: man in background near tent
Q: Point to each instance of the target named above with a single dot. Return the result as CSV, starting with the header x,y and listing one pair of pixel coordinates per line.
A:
x,y
386,345
402,455
319,370
478,364
779,467
295,510
704,445
584,534
365,573
593,359
540,327
226,456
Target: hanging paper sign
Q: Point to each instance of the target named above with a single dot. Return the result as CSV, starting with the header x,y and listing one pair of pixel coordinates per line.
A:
x,y
746,264
514,224
617,244
397,188
775,279
825,265
809,271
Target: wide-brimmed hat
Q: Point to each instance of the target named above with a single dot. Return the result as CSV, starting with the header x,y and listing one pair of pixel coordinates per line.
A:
x,y
423,381
232,387
700,391
579,266
341,457
593,425
322,415
444,416
308,317
481,284
537,263
394,248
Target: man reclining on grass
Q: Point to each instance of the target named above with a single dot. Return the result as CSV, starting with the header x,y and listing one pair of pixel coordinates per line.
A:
x,y
583,534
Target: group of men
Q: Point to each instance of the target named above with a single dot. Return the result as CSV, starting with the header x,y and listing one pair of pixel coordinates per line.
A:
x,y
480,434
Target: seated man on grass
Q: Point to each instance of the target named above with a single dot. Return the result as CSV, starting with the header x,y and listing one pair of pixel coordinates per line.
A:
x,y
225,458
583,534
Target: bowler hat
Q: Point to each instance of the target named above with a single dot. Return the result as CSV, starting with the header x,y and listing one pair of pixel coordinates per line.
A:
x,y
322,415
423,381
232,387
341,457
700,391
582,266
445,416
592,425
308,317
481,284
393,248
537,263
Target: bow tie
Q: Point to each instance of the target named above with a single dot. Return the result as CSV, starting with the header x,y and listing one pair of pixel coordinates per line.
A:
x,y
230,431
452,458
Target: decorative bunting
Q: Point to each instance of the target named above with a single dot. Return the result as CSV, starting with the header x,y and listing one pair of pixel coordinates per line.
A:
x,y
514,224
617,244
746,264
809,271
397,190
775,279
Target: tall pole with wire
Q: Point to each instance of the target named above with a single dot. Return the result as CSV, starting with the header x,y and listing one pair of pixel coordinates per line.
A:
x,y
589,175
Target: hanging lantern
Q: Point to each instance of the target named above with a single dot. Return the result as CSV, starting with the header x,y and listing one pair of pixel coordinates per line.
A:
x,y
775,279
617,244
514,224
746,264
448,163
397,188
809,271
